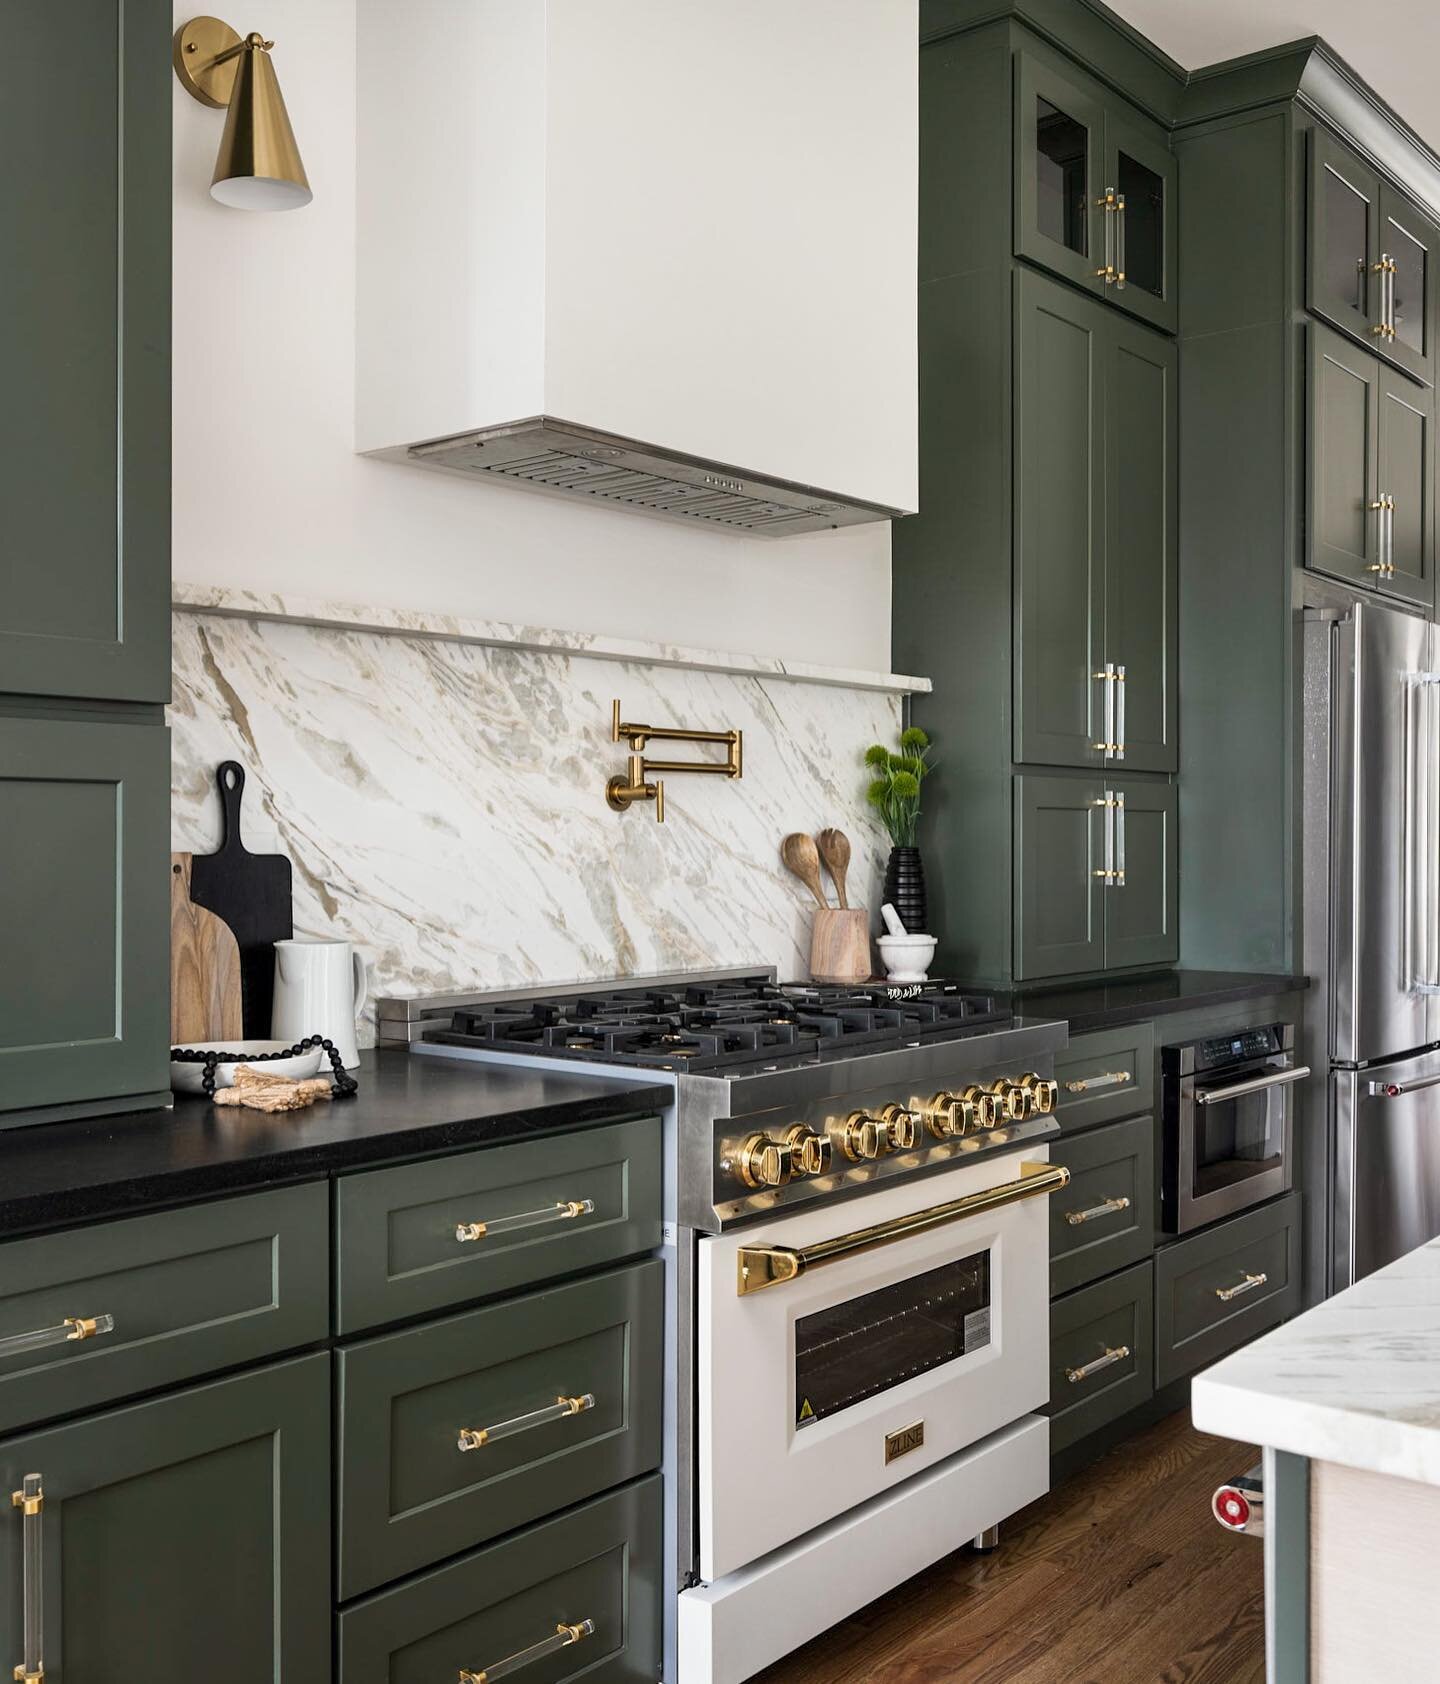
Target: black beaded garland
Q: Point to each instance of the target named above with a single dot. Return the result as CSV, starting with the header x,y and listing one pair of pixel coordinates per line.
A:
x,y
344,1083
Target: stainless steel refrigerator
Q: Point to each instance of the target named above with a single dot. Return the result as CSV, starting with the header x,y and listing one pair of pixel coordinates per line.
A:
x,y
1371,895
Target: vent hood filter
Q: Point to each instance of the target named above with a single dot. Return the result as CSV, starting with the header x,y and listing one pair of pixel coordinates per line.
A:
x,y
559,456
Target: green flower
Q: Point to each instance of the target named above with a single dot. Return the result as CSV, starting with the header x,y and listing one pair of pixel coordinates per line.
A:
x,y
906,785
879,792
912,737
877,755
911,763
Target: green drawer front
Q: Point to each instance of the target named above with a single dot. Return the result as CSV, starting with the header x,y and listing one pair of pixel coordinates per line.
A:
x,y
190,1291
600,1562
1106,1075
1194,1325
410,1496
1114,1315
1088,1236
397,1250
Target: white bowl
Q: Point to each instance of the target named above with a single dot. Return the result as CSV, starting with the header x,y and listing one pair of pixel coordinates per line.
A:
x,y
907,958
187,1078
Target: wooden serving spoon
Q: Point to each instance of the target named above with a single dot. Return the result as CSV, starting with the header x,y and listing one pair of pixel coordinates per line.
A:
x,y
835,851
803,858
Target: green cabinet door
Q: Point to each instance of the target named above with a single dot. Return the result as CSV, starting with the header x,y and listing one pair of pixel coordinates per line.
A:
x,y
1344,530
1142,923
184,1538
1059,151
1059,592
1406,479
1059,883
85,100
1142,169
1410,244
1342,282
1142,543
84,892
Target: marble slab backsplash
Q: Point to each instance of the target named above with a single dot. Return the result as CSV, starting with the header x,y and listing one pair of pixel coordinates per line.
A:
x,y
443,803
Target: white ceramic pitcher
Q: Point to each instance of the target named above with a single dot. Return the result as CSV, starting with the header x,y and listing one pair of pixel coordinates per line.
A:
x,y
320,988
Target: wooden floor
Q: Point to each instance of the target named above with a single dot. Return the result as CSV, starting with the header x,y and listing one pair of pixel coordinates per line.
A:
x,y
1118,1577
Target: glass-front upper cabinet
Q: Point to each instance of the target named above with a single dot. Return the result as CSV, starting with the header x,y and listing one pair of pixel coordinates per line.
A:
x,y
1369,262
1094,193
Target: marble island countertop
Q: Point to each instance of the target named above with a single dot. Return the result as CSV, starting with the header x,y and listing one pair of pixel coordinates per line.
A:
x,y
1356,1380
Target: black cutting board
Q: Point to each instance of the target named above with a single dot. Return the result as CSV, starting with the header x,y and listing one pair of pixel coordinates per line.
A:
x,y
251,892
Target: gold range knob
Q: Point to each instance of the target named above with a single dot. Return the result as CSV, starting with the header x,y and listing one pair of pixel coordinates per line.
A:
x,y
809,1151
763,1162
986,1106
1042,1091
948,1116
900,1127
863,1135
1011,1100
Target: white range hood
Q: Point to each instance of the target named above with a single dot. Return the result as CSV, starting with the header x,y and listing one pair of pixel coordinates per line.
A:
x,y
658,253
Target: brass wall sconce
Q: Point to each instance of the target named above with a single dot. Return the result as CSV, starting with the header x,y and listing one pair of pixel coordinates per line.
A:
x,y
258,166
635,785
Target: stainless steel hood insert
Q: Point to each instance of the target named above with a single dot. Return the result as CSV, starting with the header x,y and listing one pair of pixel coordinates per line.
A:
x,y
559,456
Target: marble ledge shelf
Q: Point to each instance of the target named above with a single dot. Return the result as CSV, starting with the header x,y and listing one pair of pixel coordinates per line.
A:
x,y
495,634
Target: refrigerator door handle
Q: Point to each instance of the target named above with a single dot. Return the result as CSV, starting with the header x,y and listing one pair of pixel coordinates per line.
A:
x,y
1395,1090
1422,856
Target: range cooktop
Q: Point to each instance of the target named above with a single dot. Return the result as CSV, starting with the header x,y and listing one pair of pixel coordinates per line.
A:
x,y
715,1026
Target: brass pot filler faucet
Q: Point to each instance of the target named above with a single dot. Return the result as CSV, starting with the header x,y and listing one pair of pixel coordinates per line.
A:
x,y
635,785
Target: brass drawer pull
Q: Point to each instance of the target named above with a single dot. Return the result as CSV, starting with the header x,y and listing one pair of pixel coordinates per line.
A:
x,y
30,1500
1113,1353
1226,1293
72,1328
1108,1208
1086,1084
475,1438
566,1211
759,1266
563,1638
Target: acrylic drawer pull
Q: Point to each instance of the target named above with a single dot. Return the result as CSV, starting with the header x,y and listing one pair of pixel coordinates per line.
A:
x,y
1226,1293
475,1438
30,1500
563,1638
1108,1208
1087,1084
566,1211
72,1328
1113,1353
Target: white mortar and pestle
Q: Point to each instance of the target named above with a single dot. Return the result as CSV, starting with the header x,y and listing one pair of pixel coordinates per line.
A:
x,y
906,957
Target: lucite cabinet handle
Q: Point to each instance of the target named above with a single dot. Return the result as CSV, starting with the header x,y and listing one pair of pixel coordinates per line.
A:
x,y
563,1638
1108,1208
1113,1353
1120,260
1120,704
30,1500
476,1438
1226,1293
566,1211
1088,1084
72,1328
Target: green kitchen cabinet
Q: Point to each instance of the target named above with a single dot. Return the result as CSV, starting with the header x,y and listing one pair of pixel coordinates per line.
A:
x,y
184,1538
84,926
1141,900
85,101
1095,535
1370,472
1369,258
1095,187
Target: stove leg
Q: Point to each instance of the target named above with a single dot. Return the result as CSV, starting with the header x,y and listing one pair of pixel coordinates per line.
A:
x,y
987,1541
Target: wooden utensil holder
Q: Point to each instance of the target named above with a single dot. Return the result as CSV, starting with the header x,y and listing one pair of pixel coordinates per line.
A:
x,y
840,945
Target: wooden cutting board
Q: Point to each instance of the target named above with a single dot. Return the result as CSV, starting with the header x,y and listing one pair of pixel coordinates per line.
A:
x,y
251,893
204,968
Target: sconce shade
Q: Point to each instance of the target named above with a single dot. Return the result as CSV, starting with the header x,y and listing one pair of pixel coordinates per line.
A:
x,y
259,165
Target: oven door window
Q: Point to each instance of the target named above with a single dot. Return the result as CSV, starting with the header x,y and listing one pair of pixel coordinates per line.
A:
x,y
855,1350
1237,1139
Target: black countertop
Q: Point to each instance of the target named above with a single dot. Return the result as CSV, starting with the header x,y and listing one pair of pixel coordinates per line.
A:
x,y
408,1105
1103,1005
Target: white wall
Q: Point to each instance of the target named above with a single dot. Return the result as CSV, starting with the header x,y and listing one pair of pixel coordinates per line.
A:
x,y
269,495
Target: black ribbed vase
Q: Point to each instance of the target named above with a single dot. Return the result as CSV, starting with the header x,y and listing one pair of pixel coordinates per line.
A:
x,y
905,888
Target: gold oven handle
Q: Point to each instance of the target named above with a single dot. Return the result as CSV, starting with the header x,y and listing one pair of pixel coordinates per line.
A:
x,y
760,1266
564,1212
563,1638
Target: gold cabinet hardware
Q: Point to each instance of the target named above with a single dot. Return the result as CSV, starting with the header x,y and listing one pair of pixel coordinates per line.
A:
x,y
1042,1091
476,1438
761,1266
1113,1353
809,1151
1226,1293
564,1636
1119,242
635,784
64,1332
763,1162
1108,1079
1107,203
900,1128
566,1211
1107,1207
30,1500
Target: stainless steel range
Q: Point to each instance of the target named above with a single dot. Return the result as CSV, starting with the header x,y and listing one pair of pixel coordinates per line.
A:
x,y
857,1275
